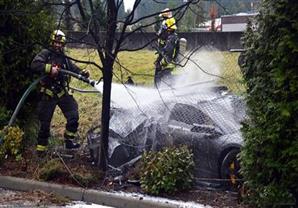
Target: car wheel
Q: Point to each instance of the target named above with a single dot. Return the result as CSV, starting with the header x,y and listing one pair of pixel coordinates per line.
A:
x,y
229,170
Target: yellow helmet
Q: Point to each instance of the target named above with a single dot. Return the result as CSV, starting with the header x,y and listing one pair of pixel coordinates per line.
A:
x,y
171,24
59,36
166,13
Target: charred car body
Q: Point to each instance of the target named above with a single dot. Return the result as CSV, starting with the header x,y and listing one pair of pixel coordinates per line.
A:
x,y
208,124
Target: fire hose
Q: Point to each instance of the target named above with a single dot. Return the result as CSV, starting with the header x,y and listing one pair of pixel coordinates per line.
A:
x,y
21,102
79,77
33,85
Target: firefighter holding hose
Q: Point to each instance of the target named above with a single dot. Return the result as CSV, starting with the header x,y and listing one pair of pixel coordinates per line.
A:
x,y
54,91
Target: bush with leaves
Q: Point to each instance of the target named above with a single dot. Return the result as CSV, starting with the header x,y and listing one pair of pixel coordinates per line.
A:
x,y
24,27
52,169
56,169
269,159
11,142
167,171
4,115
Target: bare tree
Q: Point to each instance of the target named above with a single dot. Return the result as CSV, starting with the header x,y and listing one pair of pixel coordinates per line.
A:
x,y
100,19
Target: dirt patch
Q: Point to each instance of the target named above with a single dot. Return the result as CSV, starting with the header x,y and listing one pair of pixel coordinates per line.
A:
x,y
79,171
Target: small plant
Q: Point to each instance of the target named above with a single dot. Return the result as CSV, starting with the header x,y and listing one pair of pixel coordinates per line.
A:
x,y
11,142
167,171
86,179
52,169
55,170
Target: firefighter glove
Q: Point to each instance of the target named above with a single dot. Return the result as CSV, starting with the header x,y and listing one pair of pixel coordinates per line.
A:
x,y
54,70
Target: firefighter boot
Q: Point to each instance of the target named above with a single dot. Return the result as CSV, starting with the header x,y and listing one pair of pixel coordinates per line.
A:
x,y
41,151
69,142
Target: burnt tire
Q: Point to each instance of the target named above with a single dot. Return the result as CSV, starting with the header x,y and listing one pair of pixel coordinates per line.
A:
x,y
230,170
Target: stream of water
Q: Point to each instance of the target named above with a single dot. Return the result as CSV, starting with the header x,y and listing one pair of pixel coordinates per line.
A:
x,y
190,80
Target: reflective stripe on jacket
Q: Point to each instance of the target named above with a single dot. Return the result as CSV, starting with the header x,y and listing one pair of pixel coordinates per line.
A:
x,y
42,63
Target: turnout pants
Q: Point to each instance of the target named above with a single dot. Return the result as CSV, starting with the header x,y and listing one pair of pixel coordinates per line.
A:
x,y
46,108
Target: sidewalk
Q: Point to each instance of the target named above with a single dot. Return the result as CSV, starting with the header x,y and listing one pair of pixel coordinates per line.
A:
x,y
117,199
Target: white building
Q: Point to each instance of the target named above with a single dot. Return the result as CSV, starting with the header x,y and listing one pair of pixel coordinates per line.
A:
x,y
236,22
206,26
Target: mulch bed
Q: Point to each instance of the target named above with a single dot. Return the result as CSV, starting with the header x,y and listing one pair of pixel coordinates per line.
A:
x,y
29,167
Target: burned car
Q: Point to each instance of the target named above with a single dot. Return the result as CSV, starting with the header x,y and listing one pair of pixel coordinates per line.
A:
x,y
209,125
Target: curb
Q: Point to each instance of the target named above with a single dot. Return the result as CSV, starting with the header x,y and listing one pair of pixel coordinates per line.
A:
x,y
88,195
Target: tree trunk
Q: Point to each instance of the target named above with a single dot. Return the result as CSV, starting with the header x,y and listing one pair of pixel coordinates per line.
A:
x,y
108,63
105,118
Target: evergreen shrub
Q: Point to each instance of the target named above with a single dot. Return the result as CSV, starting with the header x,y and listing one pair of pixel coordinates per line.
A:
x,y
269,159
167,171
25,27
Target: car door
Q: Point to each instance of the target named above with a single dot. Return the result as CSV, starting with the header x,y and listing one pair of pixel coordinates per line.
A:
x,y
189,125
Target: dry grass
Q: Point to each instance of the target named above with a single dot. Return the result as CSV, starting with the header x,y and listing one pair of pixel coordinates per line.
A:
x,y
139,65
231,72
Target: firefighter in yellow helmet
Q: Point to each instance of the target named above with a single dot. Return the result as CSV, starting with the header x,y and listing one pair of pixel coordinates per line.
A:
x,y
54,92
168,46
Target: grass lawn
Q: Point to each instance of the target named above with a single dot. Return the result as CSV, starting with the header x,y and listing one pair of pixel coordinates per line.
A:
x,y
137,64
140,64
231,72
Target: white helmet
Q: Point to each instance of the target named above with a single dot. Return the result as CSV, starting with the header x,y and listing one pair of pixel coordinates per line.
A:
x,y
166,13
58,35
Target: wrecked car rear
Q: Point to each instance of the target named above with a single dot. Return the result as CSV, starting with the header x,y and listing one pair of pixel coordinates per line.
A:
x,y
210,127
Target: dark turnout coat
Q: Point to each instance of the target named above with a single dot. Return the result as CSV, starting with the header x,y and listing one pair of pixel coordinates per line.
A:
x,y
41,64
55,92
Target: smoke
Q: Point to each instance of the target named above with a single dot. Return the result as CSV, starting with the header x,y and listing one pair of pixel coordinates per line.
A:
x,y
196,77
203,67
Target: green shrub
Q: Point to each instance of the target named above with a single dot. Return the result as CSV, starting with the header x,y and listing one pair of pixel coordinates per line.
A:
x,y
30,127
167,171
11,142
86,179
52,169
24,26
4,116
269,159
